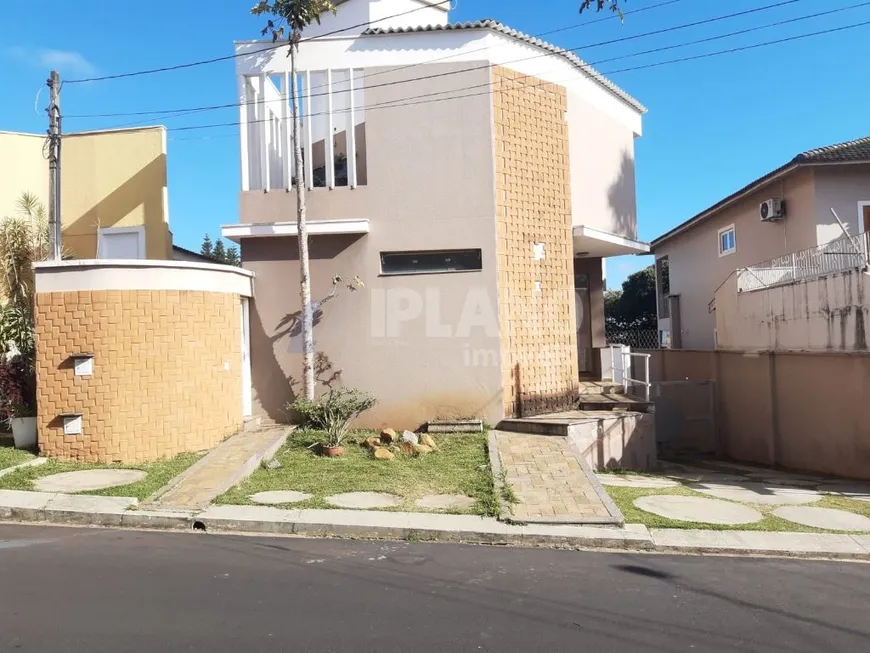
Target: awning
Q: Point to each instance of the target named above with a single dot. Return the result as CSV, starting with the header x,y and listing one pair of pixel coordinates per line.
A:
x,y
589,242
235,232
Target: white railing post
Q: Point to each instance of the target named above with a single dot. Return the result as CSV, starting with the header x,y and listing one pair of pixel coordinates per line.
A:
x,y
263,131
289,158
309,146
351,135
243,132
328,142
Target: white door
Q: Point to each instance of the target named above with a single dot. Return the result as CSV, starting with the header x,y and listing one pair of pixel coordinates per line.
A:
x,y
247,403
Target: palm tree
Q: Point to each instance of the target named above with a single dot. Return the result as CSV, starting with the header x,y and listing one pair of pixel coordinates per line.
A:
x,y
297,15
24,240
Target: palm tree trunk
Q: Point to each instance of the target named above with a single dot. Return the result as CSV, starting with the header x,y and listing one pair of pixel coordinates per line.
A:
x,y
304,275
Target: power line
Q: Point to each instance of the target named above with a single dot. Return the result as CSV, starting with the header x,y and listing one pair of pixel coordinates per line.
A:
x,y
401,102
204,62
563,51
740,49
730,34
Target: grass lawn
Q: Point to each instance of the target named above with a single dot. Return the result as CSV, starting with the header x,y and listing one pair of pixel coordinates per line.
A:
x,y
460,466
624,498
10,456
159,472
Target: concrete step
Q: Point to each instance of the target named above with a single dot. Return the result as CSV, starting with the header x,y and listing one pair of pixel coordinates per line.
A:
x,y
613,402
600,388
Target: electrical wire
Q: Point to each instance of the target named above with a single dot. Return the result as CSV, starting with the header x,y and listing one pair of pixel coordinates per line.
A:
x,y
401,102
228,57
310,95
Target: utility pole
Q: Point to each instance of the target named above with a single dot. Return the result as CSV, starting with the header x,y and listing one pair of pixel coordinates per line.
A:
x,y
54,138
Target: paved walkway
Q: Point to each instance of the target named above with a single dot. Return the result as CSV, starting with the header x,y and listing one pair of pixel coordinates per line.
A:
x,y
232,461
551,483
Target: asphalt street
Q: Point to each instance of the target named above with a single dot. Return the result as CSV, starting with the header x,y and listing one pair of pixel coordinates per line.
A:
x,y
95,590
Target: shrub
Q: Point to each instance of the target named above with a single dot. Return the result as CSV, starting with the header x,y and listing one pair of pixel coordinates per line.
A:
x,y
17,387
333,411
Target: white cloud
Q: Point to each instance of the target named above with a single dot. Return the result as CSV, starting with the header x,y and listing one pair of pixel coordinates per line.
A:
x,y
67,62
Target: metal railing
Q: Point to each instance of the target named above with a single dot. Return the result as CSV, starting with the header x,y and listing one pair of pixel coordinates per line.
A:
x,y
627,379
845,253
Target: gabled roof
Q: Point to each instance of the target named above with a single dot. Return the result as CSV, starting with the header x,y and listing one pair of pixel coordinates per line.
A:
x,y
855,151
494,25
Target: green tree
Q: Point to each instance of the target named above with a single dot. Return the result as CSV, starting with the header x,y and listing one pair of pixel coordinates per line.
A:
x,y
232,257
296,15
206,248
633,307
219,253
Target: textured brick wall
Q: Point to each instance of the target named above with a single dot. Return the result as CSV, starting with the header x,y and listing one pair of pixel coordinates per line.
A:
x,y
160,384
533,198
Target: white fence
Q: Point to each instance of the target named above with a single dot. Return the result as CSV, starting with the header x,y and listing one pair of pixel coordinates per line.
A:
x,y
845,253
618,364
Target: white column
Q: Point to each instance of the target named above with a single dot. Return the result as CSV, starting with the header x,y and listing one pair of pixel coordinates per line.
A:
x,y
309,158
351,134
243,132
263,131
289,157
328,145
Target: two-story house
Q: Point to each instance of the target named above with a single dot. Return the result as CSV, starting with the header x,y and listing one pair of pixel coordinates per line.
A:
x,y
474,178
113,189
789,212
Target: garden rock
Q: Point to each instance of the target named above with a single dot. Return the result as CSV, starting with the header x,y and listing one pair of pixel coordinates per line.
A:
x,y
383,454
273,464
408,448
372,443
388,436
410,436
422,448
428,441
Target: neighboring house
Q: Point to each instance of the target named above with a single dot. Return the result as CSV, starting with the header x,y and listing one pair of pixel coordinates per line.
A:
x,y
472,176
113,189
182,254
782,213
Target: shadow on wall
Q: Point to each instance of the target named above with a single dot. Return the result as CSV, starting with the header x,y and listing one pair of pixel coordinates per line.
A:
x,y
529,404
145,189
623,199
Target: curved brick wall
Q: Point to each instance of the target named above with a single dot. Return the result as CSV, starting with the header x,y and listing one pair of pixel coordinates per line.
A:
x,y
167,372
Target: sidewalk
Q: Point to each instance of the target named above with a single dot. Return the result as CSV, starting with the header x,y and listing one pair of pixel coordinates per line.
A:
x,y
369,524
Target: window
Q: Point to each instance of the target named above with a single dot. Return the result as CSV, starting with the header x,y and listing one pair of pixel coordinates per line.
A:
x,y
458,260
727,242
121,242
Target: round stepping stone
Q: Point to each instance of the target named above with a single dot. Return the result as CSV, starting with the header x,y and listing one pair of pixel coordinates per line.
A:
x,y
91,479
827,518
698,509
279,496
760,493
445,502
363,500
631,480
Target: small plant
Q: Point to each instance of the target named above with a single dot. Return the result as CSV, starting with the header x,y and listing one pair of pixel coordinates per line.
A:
x,y
507,491
332,412
17,387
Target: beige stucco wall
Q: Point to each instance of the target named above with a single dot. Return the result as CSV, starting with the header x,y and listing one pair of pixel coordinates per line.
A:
x,y
840,187
109,179
696,269
768,413
115,179
602,170
828,313
23,169
404,338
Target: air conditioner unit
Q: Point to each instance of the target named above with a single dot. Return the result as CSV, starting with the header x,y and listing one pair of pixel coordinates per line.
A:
x,y
772,209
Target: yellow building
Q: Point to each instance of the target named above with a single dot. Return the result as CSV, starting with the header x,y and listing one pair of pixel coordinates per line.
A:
x,y
113,189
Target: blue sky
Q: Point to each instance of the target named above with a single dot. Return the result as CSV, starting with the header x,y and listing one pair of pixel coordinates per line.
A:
x,y
713,124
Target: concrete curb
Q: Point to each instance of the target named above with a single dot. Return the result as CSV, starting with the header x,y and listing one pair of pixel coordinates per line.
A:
x,y
36,462
616,516
77,510
505,510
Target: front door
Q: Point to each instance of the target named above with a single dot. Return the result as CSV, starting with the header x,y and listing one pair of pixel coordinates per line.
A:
x,y
584,325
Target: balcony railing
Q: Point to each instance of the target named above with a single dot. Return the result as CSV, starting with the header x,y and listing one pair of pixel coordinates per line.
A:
x,y
845,253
